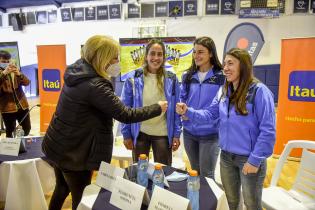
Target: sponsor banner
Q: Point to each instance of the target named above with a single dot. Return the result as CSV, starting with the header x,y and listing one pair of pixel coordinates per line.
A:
x,y
245,36
295,116
190,8
90,13
30,17
41,17
115,11
161,9
78,14
227,7
65,14
301,6
258,13
52,16
212,7
133,11
175,9
147,10
51,66
102,12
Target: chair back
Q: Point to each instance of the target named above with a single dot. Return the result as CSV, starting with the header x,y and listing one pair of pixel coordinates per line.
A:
x,y
305,181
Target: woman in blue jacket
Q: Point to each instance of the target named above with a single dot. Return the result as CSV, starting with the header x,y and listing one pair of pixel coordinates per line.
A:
x,y
146,86
245,109
200,84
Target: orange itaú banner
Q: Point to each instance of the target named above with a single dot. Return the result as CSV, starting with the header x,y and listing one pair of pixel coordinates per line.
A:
x,y
296,104
51,66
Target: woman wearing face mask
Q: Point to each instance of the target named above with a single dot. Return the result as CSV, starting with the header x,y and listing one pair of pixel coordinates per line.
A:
x,y
200,84
146,86
80,134
245,109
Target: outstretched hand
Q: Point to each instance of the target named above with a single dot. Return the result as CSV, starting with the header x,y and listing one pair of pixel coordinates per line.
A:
x,y
163,105
181,108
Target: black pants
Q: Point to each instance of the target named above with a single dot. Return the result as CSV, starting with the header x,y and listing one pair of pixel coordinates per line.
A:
x,y
66,182
162,152
10,119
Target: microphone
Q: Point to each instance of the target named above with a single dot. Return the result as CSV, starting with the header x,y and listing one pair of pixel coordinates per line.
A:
x,y
19,123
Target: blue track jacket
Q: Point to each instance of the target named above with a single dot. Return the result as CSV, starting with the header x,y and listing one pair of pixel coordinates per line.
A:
x,y
252,135
132,97
199,96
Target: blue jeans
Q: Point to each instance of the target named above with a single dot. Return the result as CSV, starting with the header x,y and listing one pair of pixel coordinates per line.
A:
x,y
202,152
232,179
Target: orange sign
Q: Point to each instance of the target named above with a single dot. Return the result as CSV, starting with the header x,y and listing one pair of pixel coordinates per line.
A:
x,y
296,105
51,66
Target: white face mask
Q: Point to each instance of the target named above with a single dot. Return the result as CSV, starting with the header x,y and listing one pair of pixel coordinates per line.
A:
x,y
113,70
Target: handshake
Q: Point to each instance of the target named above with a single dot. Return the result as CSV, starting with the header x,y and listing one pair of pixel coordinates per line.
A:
x,y
181,108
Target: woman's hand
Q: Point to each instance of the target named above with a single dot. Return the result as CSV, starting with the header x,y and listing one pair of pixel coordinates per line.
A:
x,y
181,108
163,105
249,169
128,144
175,144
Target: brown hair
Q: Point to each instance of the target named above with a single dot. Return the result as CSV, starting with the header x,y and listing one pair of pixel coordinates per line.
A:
x,y
238,96
161,71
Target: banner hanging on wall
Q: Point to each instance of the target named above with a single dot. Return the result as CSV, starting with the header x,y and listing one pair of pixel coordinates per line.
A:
x,y
178,54
51,66
296,105
245,36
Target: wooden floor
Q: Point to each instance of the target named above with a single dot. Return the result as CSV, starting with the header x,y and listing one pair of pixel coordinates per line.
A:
x,y
286,179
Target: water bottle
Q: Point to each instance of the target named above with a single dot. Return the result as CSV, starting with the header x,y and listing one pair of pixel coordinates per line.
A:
x,y
158,176
193,186
142,174
19,132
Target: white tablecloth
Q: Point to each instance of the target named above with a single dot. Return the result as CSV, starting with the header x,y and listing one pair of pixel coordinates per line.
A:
x,y
23,184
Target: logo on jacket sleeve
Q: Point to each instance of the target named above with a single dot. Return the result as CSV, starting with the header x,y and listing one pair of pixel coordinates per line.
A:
x,y
302,86
51,80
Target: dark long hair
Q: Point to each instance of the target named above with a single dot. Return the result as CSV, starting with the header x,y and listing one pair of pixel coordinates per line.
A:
x,y
208,43
238,96
161,71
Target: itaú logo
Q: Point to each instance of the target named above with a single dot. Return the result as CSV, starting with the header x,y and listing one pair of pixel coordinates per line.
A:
x,y
302,86
51,80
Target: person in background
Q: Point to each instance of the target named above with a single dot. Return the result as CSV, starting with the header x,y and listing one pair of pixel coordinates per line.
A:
x,y
151,84
200,83
80,133
245,109
13,103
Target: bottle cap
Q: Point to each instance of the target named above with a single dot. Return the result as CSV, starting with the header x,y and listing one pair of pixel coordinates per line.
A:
x,y
143,156
158,166
193,173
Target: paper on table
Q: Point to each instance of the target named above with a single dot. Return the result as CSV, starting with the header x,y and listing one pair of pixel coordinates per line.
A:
x,y
176,177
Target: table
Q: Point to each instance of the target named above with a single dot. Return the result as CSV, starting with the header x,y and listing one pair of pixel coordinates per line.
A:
x,y
26,178
211,198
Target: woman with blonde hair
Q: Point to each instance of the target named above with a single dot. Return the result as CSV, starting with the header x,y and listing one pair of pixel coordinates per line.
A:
x,y
80,134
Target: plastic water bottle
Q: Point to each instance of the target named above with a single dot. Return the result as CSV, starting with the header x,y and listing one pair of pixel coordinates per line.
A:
x,y
193,186
19,132
142,174
158,176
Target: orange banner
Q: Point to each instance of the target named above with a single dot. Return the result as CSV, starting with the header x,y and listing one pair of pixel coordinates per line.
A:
x,y
296,105
51,66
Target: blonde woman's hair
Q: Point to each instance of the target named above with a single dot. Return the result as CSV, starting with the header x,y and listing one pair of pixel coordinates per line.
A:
x,y
98,51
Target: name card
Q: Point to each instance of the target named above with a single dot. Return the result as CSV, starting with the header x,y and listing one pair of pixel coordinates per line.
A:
x,y
166,200
10,146
107,175
128,195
